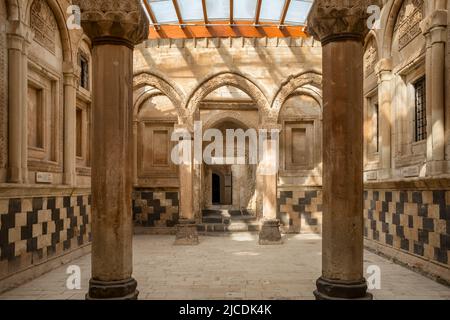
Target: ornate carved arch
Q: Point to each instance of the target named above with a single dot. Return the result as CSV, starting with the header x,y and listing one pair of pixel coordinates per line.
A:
x,y
312,78
227,78
146,78
59,13
392,13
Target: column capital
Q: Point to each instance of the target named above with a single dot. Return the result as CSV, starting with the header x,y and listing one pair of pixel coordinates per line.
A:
x,y
434,27
334,20
114,21
383,69
19,35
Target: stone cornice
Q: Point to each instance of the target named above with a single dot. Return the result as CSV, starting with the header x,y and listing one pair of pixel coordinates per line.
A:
x,y
334,20
113,21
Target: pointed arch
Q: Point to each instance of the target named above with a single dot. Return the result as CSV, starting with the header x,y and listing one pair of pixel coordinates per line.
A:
x,y
147,78
227,78
287,88
60,15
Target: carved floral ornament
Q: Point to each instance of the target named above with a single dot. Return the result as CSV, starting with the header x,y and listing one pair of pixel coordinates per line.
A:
x,y
330,20
109,20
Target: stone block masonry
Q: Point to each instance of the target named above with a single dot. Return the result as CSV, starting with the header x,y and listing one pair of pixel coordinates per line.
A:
x,y
36,229
155,208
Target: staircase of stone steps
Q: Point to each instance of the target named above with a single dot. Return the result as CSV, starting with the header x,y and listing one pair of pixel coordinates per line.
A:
x,y
227,221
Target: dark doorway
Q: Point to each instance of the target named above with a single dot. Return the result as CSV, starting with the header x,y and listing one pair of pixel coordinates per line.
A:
x,y
215,189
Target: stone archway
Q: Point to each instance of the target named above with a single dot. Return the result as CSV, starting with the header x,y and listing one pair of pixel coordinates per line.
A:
x,y
310,78
233,79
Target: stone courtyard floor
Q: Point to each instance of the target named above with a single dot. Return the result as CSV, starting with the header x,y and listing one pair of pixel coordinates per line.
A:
x,y
231,267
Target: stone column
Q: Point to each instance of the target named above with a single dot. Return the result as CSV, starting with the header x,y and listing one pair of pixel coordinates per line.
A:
x,y
18,39
384,72
434,28
114,28
268,169
70,140
341,27
187,226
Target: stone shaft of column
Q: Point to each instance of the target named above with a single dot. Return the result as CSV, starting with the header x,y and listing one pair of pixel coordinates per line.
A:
x,y
270,229
342,254
70,96
186,189
24,105
438,101
385,102
112,172
16,99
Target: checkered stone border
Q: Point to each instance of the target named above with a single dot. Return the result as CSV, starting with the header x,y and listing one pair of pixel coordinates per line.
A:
x,y
417,222
152,208
300,211
35,229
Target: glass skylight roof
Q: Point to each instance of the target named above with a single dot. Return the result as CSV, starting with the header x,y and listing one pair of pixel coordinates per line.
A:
x,y
281,12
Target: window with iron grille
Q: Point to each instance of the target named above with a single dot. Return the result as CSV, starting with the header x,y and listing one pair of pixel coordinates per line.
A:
x,y
420,110
84,76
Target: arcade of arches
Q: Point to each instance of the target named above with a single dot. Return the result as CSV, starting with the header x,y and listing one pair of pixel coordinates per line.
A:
x,y
86,120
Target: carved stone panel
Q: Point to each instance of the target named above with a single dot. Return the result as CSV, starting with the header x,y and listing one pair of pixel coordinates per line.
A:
x,y
408,22
44,25
370,57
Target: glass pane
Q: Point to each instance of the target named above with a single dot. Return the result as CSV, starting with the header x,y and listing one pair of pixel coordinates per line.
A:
x,y
271,10
298,11
191,10
164,11
218,9
244,9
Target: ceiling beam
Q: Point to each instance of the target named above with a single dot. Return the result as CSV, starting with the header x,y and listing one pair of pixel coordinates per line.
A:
x,y
231,11
151,15
178,11
205,12
287,3
258,11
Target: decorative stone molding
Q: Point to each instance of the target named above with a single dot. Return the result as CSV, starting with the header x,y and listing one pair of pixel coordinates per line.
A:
x,y
435,26
333,20
114,21
408,19
290,85
168,89
44,25
228,79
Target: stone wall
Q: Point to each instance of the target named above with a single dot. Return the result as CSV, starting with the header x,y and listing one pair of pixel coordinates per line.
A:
x,y
157,209
36,228
300,211
416,222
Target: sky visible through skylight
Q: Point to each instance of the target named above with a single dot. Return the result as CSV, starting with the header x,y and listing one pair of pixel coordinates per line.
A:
x,y
164,11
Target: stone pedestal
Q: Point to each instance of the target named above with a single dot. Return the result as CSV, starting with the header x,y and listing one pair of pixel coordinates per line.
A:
x,y
270,232
112,290
341,290
186,233
342,37
114,28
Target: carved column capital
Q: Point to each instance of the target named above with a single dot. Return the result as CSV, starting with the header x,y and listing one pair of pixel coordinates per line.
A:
x,y
434,27
383,69
334,20
113,21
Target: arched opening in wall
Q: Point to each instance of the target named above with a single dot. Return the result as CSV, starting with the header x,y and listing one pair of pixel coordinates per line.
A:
x,y
156,180
300,172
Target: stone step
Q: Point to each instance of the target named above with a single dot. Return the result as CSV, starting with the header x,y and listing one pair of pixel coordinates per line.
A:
x,y
228,228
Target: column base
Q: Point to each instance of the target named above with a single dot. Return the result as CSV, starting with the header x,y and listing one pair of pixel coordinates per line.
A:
x,y
187,234
270,233
112,290
341,290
